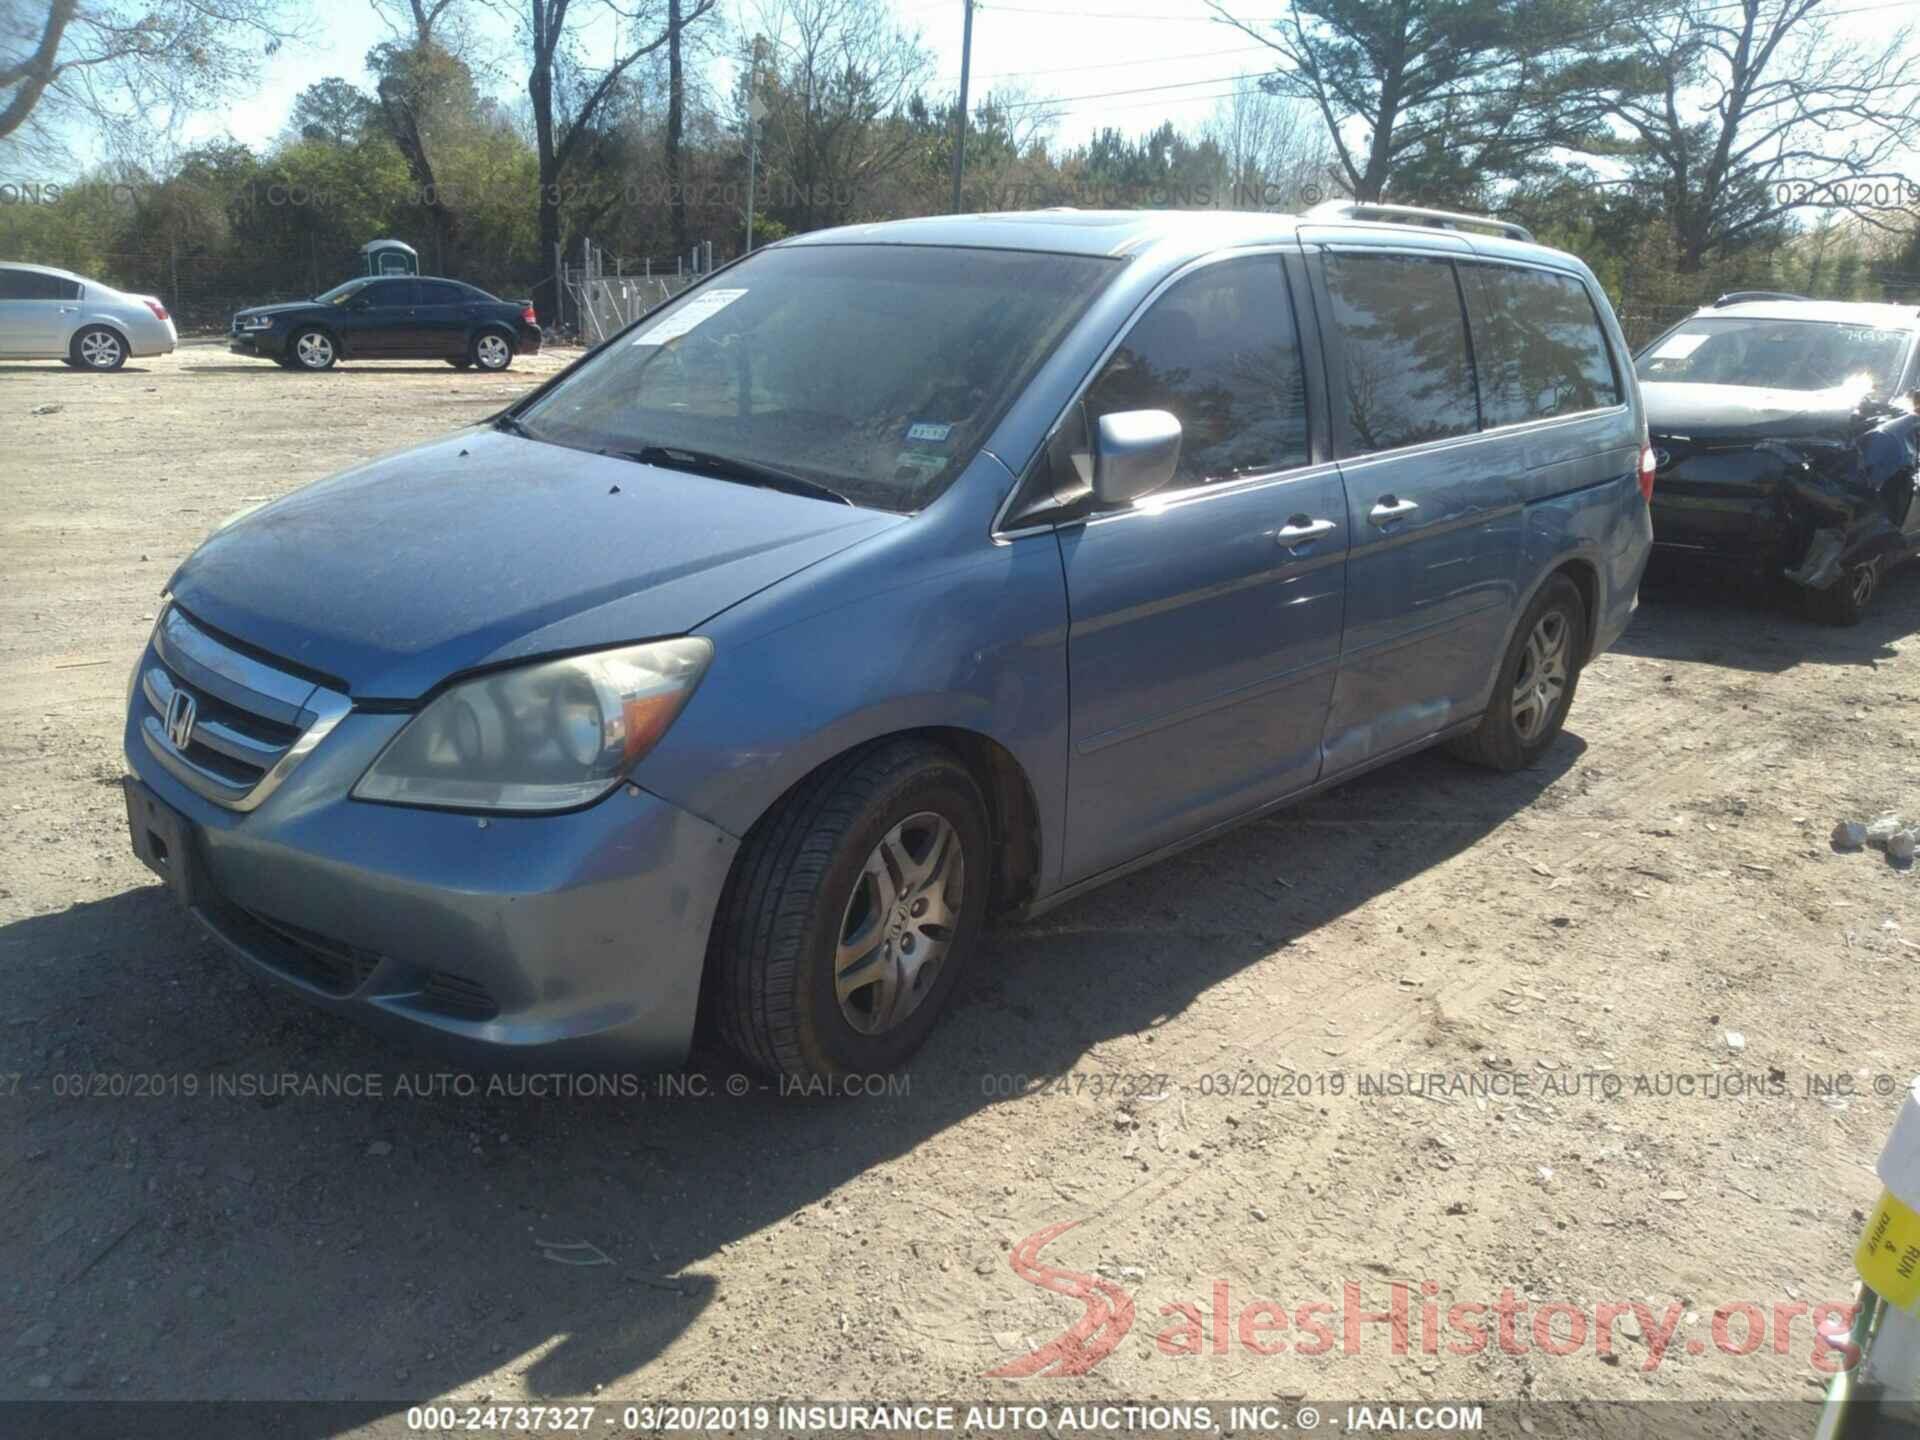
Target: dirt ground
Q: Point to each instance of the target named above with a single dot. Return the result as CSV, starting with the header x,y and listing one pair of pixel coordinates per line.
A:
x,y
1667,1020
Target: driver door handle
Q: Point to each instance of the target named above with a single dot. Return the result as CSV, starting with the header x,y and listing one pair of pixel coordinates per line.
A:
x,y
1299,530
1389,508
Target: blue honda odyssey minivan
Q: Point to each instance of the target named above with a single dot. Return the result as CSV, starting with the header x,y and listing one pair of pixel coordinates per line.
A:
x,y
893,578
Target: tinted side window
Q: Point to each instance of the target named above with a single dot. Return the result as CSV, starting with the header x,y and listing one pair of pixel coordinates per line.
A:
x,y
32,285
441,292
1538,345
388,292
1408,376
1220,351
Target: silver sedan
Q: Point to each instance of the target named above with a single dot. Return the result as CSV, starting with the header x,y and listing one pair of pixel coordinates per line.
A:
x,y
48,314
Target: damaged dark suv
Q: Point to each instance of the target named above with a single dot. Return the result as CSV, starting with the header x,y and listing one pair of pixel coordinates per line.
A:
x,y
1786,442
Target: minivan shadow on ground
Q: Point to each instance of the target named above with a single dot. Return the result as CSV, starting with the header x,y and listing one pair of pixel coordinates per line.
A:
x,y
191,1244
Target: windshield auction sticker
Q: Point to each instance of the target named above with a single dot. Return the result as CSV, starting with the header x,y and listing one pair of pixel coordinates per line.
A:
x,y
696,311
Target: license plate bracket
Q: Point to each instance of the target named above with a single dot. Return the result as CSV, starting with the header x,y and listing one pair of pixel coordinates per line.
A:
x,y
166,842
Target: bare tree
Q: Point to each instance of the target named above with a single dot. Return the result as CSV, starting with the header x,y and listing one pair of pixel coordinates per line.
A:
x,y
568,95
130,69
842,75
419,17
1274,148
1752,111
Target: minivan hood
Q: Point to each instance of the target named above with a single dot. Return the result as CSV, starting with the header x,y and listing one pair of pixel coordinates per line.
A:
x,y
1746,412
484,547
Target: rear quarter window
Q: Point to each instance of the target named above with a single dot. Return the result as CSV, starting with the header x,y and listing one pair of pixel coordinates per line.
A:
x,y
1405,370
32,285
1538,345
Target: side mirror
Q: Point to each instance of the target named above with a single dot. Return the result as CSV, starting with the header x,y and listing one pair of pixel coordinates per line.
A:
x,y
1135,453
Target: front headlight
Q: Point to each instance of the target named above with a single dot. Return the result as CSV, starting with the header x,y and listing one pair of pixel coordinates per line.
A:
x,y
257,322
548,736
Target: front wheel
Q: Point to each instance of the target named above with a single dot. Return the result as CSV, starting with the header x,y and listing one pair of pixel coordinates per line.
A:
x,y
852,910
312,350
1845,601
1534,689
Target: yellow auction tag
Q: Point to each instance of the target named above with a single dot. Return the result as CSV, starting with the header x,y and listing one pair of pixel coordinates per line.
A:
x,y
1889,1255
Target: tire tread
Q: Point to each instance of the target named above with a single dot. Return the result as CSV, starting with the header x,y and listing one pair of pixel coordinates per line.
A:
x,y
766,910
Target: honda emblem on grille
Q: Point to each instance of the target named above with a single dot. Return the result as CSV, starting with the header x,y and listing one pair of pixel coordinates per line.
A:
x,y
182,710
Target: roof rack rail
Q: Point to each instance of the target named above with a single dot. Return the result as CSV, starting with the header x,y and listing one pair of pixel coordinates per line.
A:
x,y
1742,297
1415,215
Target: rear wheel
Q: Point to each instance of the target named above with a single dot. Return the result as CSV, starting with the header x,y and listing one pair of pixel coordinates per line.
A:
x,y
98,348
1534,690
851,912
491,350
312,350
1845,601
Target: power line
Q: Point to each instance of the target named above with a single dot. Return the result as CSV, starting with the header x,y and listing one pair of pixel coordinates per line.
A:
x,y
1136,90
1255,49
1241,20
1224,79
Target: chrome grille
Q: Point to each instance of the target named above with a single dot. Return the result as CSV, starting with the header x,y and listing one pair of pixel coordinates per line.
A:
x,y
227,725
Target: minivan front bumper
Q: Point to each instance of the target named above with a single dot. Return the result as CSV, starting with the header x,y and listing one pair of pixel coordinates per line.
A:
x,y
571,941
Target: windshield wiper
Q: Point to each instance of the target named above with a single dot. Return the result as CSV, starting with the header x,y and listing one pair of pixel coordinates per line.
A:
x,y
728,467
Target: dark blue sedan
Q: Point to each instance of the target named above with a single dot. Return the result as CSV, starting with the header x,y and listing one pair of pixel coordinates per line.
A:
x,y
390,317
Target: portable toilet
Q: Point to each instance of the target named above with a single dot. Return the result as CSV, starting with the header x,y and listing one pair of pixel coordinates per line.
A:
x,y
390,257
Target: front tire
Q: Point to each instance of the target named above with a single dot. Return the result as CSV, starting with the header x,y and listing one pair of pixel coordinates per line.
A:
x,y
491,351
98,348
852,910
1845,601
312,350
1534,689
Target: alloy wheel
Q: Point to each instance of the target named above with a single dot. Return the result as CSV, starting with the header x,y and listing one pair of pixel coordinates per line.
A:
x,y
1543,674
899,923
492,352
100,349
315,350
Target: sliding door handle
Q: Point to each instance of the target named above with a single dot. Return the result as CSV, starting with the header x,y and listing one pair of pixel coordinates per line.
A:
x,y
1389,508
1299,530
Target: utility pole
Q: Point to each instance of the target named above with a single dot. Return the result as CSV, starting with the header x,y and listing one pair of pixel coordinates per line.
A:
x,y
960,124
756,108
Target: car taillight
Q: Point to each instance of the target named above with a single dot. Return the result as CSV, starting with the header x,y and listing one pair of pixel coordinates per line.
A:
x,y
528,316
1646,473
159,310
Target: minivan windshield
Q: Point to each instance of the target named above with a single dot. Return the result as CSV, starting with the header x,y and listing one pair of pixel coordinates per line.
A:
x,y
1777,355
875,371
